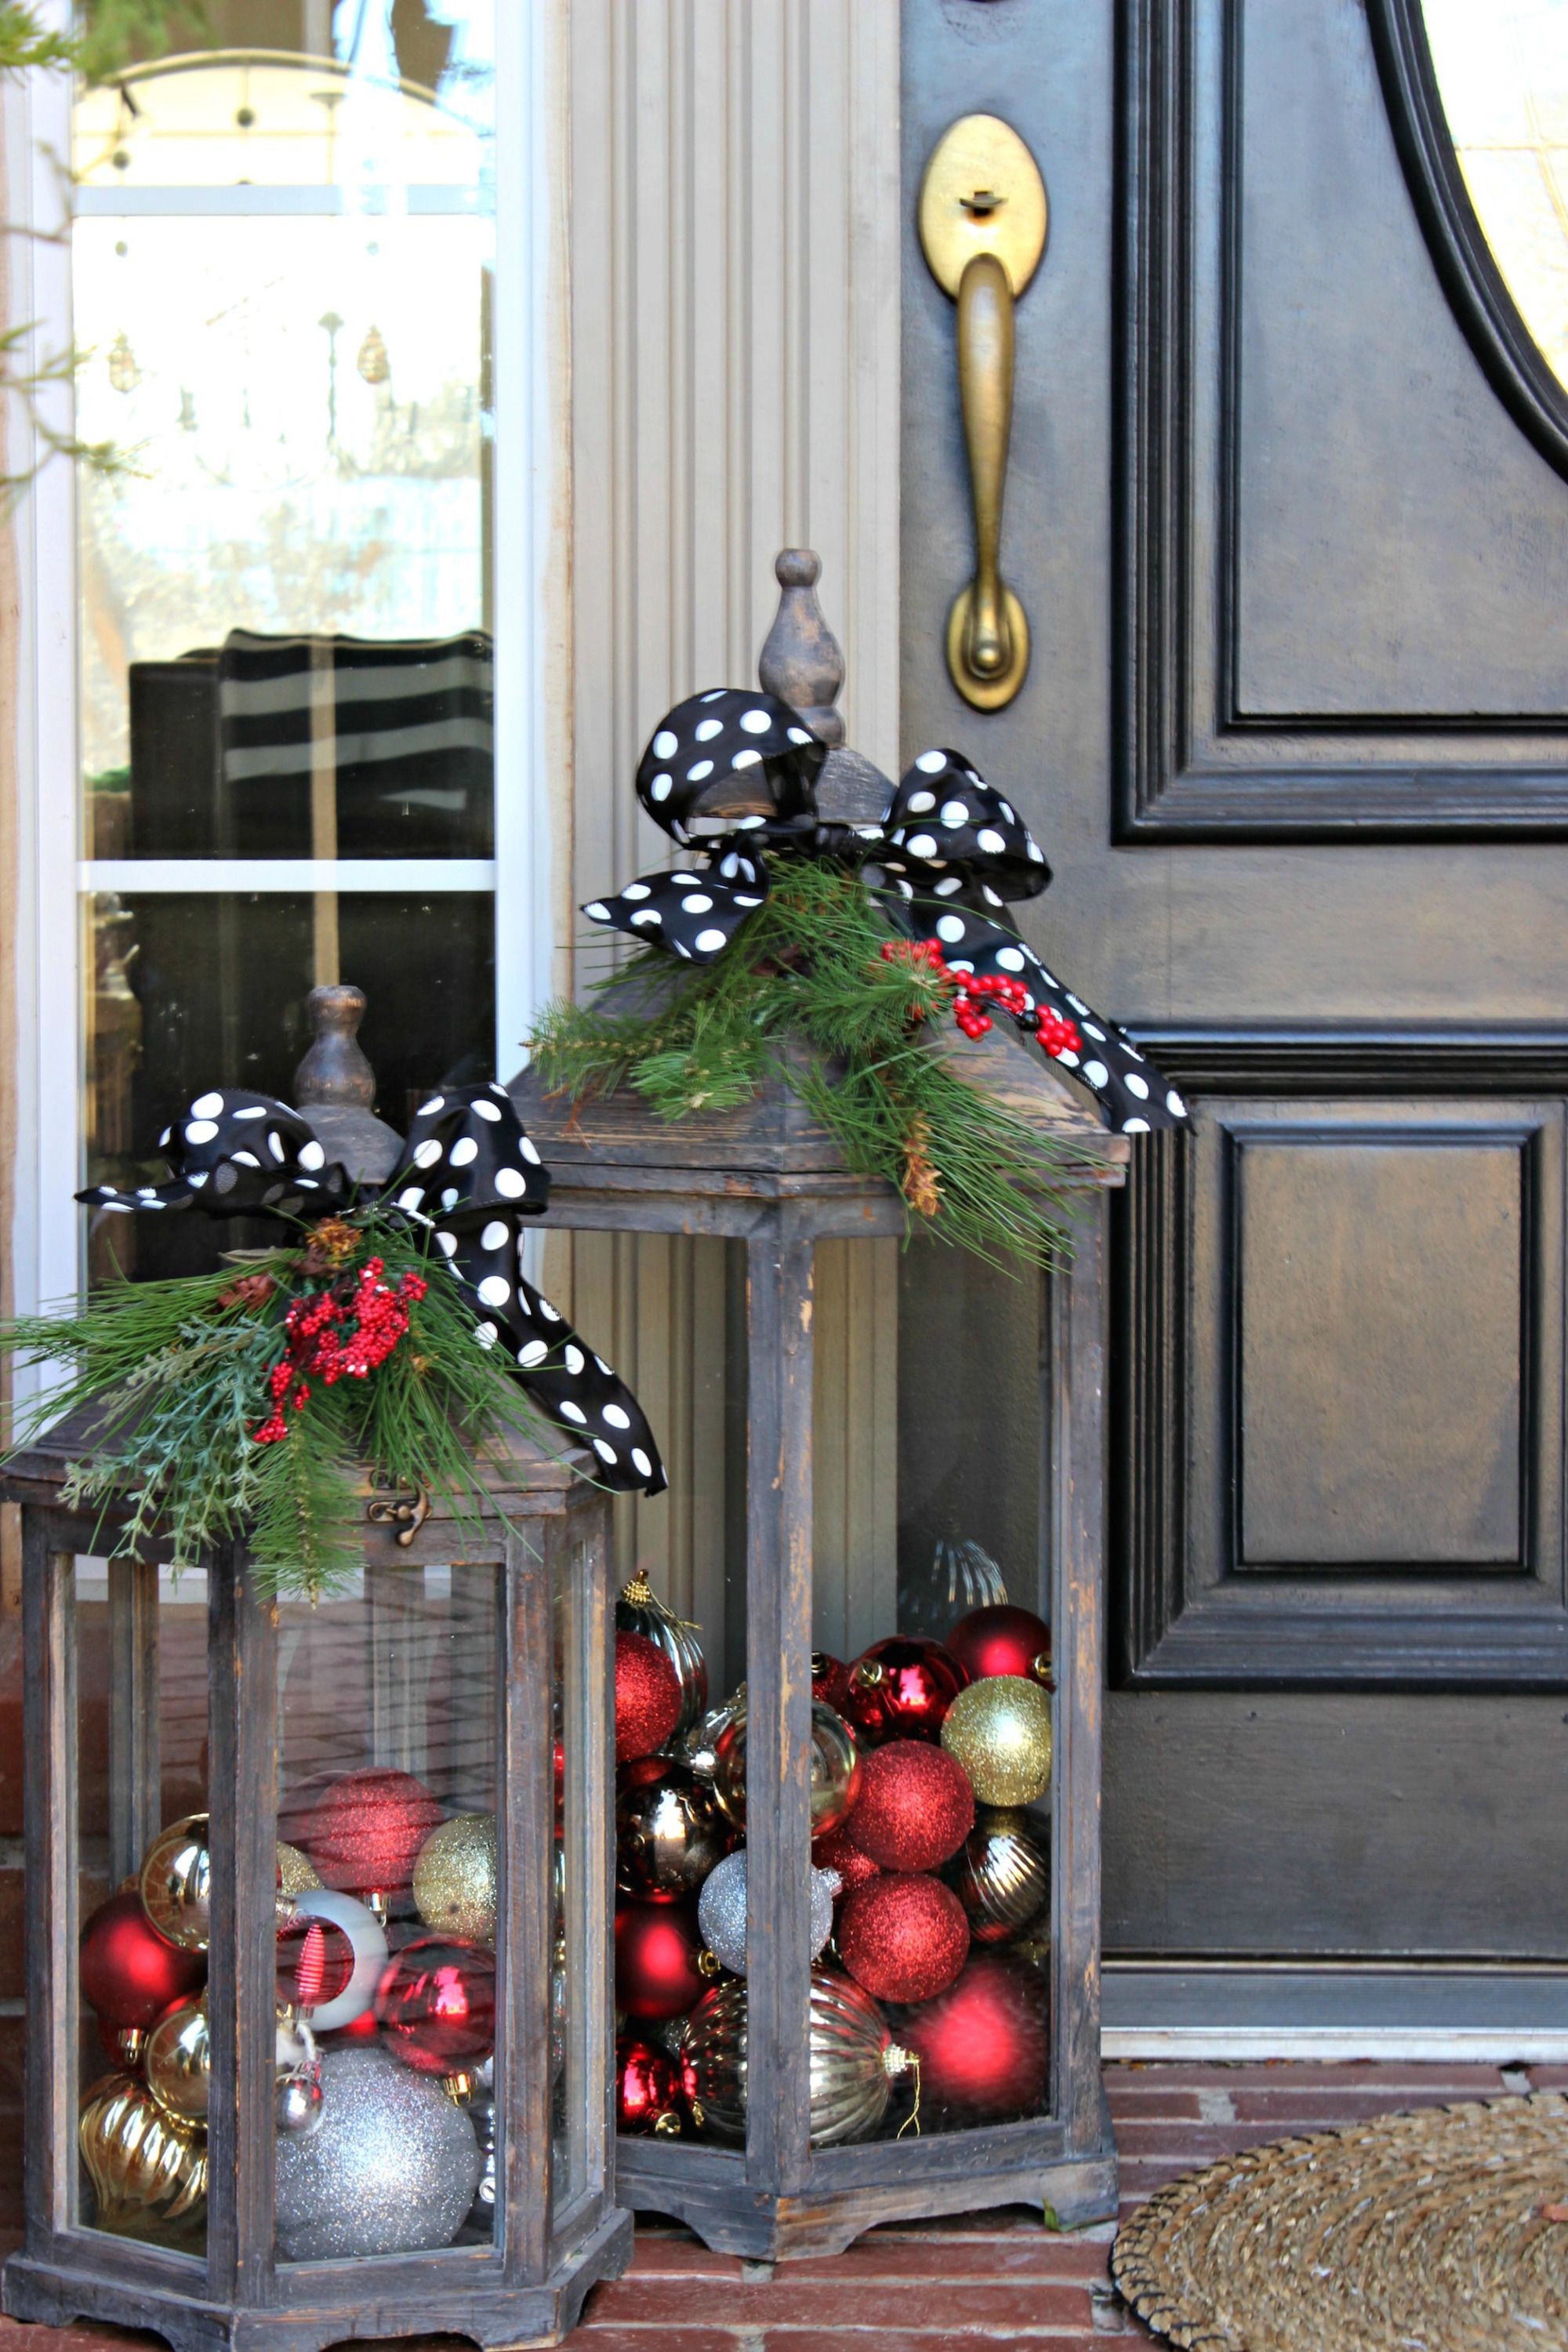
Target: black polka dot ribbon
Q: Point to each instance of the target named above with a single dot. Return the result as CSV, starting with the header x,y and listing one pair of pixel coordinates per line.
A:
x,y
733,774
235,1154
468,1174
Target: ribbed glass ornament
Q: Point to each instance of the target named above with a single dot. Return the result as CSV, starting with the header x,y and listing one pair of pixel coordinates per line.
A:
x,y
853,2061
1002,1873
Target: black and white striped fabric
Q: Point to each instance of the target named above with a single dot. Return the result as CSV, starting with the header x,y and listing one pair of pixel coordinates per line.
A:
x,y
405,729
735,774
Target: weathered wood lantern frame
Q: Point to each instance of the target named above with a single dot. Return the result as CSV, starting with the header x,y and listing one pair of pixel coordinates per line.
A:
x,y
548,1532
768,1177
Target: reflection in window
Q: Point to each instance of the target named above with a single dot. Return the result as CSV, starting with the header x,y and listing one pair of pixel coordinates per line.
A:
x,y
282,272
1502,69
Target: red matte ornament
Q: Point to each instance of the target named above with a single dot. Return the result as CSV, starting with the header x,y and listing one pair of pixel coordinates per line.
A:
x,y
1002,1640
647,2088
915,1807
648,1697
367,1828
982,2045
657,1945
901,1688
904,1937
840,1852
129,1972
436,2004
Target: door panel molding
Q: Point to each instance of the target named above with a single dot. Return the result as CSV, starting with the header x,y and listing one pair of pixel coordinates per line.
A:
x,y
1191,763
1468,1287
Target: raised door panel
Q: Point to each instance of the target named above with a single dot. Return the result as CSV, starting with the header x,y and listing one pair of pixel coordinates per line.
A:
x,y
1339,1348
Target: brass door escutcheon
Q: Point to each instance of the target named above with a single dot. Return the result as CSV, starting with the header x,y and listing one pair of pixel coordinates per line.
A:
x,y
983,220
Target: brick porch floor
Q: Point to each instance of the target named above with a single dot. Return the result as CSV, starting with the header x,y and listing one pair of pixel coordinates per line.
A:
x,y
989,2278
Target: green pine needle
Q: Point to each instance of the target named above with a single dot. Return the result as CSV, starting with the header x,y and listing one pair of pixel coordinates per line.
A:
x,y
810,961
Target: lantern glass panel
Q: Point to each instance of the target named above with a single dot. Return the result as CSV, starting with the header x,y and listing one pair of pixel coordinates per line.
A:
x,y
387,1779
139,1645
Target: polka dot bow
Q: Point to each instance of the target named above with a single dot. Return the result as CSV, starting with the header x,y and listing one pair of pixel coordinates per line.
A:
x,y
469,1174
736,773
237,1155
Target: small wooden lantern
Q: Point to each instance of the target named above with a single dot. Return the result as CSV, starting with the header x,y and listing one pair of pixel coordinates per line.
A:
x,y
770,1180
383,1818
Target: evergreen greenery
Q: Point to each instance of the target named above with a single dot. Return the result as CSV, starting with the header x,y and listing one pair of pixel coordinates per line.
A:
x,y
810,961
175,1374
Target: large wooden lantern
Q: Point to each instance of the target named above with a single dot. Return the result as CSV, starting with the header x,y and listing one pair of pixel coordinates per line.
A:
x,y
386,1815
786,2075
318,2002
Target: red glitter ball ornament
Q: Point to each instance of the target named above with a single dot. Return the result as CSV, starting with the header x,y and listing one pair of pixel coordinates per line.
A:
x,y
367,1829
1002,1640
657,1945
840,1852
915,1807
829,1679
648,1697
129,1972
647,2088
436,2005
904,1937
901,1688
983,2044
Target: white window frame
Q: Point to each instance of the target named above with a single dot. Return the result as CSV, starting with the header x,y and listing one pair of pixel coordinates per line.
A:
x,y
532,673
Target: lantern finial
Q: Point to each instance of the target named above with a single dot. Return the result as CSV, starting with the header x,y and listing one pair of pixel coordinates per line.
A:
x,y
334,1086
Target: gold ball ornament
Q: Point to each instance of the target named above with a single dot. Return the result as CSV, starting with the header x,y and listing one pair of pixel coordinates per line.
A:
x,y
1000,1731
454,1878
177,2062
148,2171
176,1883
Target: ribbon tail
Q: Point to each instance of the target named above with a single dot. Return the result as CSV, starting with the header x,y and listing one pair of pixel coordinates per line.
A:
x,y
1132,1095
691,915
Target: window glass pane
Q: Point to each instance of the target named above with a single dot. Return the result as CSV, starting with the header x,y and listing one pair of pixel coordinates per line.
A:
x,y
193,989
281,270
1503,74
386,1767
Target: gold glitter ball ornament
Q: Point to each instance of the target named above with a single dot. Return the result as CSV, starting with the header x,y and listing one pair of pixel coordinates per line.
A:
x,y
454,1878
1000,1731
295,1873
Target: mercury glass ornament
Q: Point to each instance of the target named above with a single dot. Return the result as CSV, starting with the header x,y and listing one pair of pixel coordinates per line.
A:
x,y
1002,1873
835,1768
697,1749
392,2168
300,2104
853,2061
177,2061
722,1911
669,1833
176,1883
1000,1731
147,2170
639,1609
962,1575
454,1878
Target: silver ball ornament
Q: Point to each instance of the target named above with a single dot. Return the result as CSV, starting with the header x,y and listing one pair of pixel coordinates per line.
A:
x,y
391,2169
722,1911
299,2105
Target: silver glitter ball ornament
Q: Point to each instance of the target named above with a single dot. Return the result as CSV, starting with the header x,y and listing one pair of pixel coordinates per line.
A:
x,y
391,2169
722,1911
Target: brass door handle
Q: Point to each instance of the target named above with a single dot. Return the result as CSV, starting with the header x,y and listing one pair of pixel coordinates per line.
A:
x,y
983,230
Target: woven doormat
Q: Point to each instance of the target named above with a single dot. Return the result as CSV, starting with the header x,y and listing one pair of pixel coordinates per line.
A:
x,y
1441,2231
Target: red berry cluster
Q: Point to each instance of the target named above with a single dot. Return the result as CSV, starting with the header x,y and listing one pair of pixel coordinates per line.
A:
x,y
1056,1032
347,1330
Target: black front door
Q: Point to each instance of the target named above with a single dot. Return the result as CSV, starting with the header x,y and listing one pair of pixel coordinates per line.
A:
x,y
1287,512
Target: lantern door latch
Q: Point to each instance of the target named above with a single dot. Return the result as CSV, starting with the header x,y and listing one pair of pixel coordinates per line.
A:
x,y
982,217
